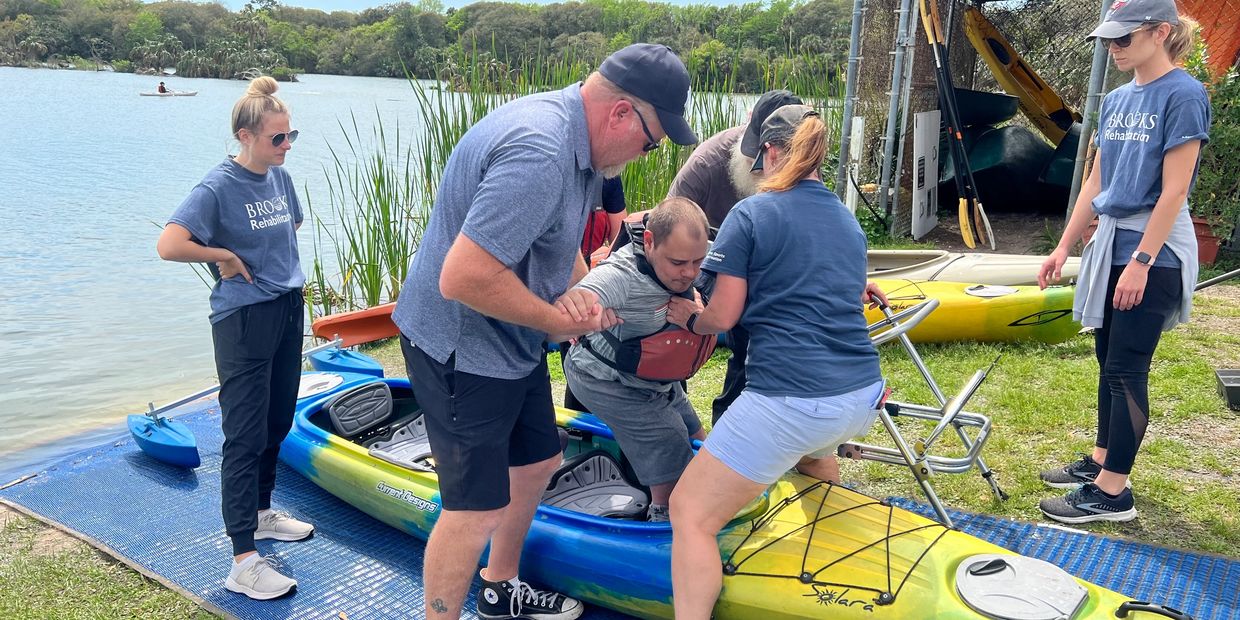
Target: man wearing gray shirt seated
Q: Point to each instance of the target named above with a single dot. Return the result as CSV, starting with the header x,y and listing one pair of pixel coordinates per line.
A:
x,y
652,419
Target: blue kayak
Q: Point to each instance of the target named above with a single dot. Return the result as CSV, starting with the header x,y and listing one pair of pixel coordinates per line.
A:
x,y
165,440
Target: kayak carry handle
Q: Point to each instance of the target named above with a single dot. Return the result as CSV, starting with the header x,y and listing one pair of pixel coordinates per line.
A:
x,y
1146,606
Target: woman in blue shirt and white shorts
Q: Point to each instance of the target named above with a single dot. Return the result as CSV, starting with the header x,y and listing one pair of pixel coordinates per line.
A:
x,y
791,265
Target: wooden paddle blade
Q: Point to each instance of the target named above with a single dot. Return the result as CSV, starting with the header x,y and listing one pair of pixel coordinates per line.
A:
x,y
966,225
924,9
985,235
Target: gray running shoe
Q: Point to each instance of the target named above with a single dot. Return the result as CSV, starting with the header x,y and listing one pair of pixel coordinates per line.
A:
x,y
1088,504
1073,474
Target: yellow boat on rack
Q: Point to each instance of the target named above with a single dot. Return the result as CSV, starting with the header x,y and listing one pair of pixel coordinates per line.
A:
x,y
984,312
1044,107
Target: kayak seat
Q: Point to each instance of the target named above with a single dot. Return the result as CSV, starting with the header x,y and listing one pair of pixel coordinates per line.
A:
x,y
362,409
594,483
406,446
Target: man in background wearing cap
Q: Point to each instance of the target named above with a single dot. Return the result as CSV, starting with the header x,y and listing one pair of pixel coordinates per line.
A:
x,y
717,176
476,309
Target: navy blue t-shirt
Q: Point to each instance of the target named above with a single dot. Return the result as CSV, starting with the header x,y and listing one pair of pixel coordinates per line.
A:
x,y
802,255
255,216
1138,124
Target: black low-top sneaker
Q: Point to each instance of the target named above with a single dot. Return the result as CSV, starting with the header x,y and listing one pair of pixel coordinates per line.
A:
x,y
1088,504
1072,475
502,600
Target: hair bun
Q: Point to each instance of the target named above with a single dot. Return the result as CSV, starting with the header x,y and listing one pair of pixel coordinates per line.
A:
x,y
262,87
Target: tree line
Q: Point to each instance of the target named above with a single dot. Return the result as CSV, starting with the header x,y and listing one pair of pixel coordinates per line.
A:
x,y
737,43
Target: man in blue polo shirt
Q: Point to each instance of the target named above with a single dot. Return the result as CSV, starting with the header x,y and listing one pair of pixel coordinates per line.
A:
x,y
476,309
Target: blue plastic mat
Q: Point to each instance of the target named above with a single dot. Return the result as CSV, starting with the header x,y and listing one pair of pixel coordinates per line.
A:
x,y
167,522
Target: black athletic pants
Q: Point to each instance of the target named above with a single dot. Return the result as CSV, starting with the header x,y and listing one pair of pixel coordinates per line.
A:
x,y
734,380
258,360
1124,346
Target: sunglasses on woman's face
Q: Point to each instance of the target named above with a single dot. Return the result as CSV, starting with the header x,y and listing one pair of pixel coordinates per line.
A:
x,y
1120,42
279,138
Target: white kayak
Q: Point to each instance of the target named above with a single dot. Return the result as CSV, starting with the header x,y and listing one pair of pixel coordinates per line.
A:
x,y
174,93
974,267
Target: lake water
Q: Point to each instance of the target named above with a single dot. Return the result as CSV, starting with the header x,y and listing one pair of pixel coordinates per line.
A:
x,y
93,325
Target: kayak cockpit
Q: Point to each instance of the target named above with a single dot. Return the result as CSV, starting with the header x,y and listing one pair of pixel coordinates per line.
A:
x,y
595,478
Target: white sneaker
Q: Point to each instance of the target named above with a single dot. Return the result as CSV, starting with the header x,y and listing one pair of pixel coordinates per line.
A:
x,y
257,578
279,525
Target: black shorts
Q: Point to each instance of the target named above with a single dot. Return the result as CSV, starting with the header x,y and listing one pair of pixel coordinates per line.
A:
x,y
480,426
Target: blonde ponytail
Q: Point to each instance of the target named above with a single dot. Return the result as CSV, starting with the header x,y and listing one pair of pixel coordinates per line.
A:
x,y
259,99
1182,39
803,156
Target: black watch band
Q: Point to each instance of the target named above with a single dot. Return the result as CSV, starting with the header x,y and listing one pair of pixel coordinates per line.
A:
x,y
691,322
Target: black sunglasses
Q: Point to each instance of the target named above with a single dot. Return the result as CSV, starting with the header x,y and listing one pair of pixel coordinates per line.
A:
x,y
279,138
1120,42
651,143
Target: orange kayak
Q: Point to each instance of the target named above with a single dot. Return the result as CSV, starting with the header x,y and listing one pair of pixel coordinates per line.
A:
x,y
357,327
1220,27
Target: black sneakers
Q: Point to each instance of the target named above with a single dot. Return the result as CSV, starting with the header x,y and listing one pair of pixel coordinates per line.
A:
x,y
1072,475
1088,504
502,600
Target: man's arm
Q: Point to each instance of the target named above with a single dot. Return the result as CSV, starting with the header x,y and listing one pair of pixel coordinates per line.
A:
x,y
474,277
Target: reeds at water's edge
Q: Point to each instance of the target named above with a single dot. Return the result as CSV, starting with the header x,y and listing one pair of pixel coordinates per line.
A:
x,y
381,186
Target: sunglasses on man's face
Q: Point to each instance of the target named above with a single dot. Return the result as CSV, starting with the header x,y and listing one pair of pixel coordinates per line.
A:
x,y
279,138
1120,42
651,143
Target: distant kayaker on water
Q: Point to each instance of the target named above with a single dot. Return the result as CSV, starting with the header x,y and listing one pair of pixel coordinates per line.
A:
x,y
242,218
1138,271
502,244
813,379
653,419
162,88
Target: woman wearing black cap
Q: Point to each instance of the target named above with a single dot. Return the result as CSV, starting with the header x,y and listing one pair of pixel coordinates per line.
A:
x,y
813,380
1138,271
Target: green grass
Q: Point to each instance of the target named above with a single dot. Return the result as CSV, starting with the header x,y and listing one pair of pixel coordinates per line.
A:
x,y
46,575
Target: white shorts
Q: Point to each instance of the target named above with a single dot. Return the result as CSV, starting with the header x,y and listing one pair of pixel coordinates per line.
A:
x,y
761,437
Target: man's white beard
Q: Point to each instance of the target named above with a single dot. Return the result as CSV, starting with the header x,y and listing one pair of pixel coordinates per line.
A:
x,y
611,172
744,181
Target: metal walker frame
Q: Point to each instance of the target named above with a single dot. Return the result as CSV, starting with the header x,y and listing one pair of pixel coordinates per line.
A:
x,y
917,456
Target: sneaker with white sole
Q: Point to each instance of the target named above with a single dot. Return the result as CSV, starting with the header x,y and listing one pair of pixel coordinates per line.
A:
x,y
1088,504
1072,475
257,578
280,525
506,600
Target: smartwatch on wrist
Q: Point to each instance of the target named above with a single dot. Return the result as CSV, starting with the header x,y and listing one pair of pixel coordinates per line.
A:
x,y
691,322
1143,258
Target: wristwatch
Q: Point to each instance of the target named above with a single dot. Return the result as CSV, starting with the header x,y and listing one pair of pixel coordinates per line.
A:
x,y
1143,258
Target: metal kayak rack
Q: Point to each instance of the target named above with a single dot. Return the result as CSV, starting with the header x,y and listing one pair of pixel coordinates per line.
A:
x,y
950,413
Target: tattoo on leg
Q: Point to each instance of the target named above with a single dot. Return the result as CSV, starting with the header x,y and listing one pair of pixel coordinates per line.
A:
x,y
438,606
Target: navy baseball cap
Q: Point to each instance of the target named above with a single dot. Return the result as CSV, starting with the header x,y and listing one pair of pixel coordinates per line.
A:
x,y
769,102
780,127
1125,16
656,75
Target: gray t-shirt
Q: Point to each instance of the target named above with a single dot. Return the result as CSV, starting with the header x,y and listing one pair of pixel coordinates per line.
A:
x,y
638,299
254,216
1139,124
705,179
519,184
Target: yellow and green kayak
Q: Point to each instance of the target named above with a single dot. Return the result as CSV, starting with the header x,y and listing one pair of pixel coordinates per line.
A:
x,y
804,549
983,312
